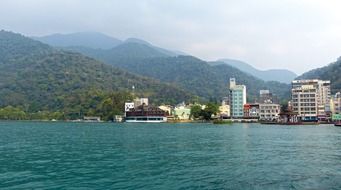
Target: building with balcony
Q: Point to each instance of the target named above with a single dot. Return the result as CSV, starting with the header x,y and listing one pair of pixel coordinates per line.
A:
x,y
310,99
237,96
251,111
269,112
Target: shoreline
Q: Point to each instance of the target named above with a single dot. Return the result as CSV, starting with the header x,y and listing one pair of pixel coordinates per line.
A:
x,y
228,122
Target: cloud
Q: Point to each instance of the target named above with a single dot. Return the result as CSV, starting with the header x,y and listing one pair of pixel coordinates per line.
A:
x,y
298,35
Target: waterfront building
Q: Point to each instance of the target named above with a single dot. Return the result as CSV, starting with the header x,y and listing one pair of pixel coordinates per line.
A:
x,y
169,110
182,112
269,112
310,99
146,113
166,108
335,103
251,111
224,111
237,99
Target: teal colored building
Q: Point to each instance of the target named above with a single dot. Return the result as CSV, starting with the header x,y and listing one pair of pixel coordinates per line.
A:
x,y
237,99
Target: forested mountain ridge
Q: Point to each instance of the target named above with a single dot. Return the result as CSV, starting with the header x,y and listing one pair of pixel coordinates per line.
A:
x,y
197,76
93,41
85,39
330,72
187,72
37,77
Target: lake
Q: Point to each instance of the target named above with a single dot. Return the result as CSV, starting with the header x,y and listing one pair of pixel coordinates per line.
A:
x,y
57,155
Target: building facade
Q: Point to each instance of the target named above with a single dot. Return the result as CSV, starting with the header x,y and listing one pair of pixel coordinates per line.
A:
x,y
251,111
310,99
335,104
224,111
237,99
265,96
182,112
146,113
269,112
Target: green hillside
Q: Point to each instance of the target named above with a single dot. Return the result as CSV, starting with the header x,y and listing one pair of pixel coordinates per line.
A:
x,y
37,77
200,78
190,73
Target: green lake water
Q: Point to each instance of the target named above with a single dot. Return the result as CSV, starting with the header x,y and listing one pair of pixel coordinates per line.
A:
x,y
57,155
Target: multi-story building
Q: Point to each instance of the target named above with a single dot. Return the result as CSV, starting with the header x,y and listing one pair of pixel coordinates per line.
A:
x,y
335,104
269,112
310,99
224,111
237,99
265,96
251,111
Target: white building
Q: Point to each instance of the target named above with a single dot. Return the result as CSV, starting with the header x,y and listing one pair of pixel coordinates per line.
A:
x,y
224,110
237,99
128,106
166,108
269,112
310,98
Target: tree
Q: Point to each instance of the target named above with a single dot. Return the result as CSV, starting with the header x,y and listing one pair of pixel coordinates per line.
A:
x,y
210,109
196,111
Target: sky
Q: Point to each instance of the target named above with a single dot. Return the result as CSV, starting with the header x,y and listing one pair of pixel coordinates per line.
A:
x,y
298,35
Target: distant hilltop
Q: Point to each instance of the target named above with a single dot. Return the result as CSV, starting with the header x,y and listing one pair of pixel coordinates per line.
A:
x,y
280,75
94,41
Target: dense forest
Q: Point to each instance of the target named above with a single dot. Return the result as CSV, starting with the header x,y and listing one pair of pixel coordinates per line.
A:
x,y
37,78
204,79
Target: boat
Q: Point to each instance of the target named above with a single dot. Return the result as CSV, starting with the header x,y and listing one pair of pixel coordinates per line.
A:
x,y
337,124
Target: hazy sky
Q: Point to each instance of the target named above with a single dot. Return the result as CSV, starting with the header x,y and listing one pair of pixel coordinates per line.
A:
x,y
294,34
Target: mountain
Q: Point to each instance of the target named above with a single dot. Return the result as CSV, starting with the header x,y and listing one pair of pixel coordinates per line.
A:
x,y
84,39
187,72
280,75
123,52
161,50
38,77
330,72
95,40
